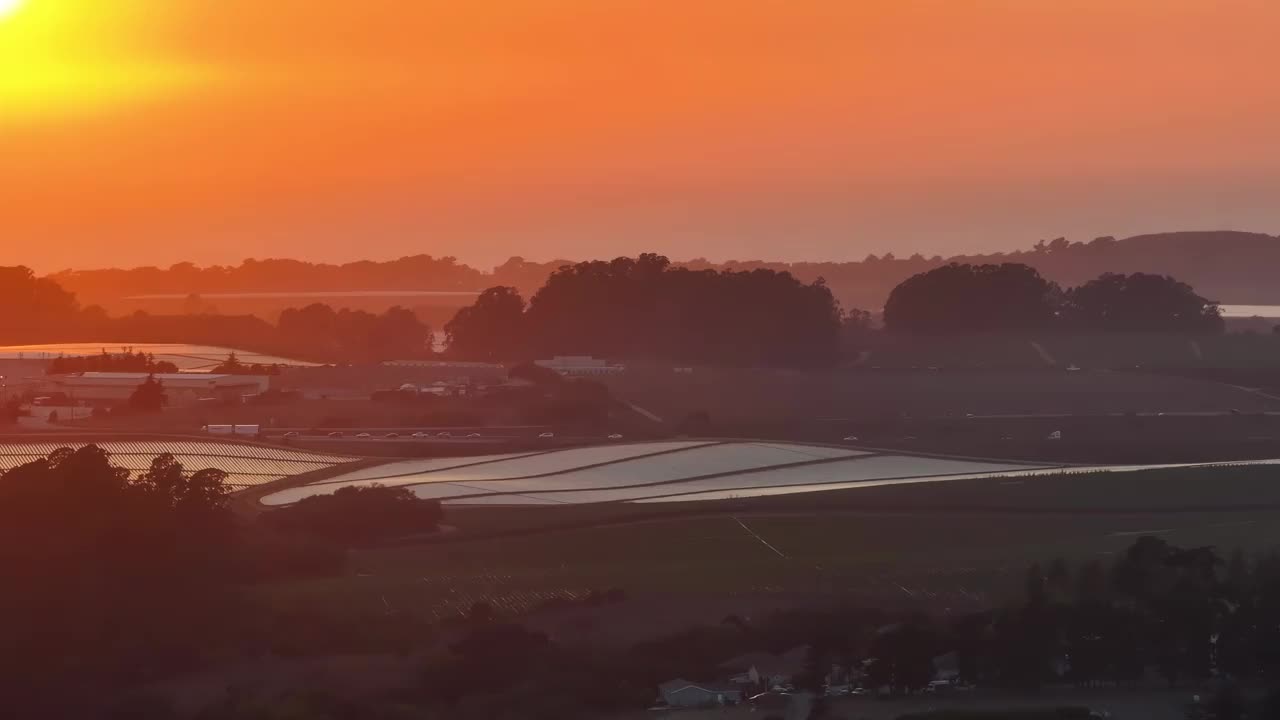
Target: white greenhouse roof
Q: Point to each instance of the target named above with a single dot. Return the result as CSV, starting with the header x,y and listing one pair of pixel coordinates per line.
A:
x,y
246,464
635,472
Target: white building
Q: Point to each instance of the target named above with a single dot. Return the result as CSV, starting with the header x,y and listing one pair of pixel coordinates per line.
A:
x,y
580,365
181,388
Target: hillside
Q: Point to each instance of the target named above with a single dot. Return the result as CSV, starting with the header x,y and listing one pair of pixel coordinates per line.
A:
x,y
1226,266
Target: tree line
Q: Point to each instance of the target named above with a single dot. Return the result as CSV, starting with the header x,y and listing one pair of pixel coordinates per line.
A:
x,y
1011,297
1184,615
38,310
114,580
645,309
1226,266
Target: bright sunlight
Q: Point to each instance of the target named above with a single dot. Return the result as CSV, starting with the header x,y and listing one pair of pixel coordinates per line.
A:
x,y
62,58
9,7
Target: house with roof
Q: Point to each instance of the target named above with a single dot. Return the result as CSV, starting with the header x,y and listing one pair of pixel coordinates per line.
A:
x,y
681,693
766,671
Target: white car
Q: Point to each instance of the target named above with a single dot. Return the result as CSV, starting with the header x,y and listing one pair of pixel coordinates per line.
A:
x,y
444,434
615,436
473,435
363,435
420,435
290,435
851,438
547,435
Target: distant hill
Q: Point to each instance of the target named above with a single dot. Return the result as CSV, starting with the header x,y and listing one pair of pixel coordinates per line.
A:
x,y
1226,266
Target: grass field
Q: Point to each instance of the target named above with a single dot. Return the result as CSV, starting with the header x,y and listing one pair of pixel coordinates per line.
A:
x,y
958,545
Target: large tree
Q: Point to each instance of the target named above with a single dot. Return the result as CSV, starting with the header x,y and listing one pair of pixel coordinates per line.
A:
x,y
1141,302
972,298
640,309
491,329
108,580
149,396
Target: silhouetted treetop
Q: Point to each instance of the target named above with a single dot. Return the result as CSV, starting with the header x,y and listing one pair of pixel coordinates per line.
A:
x,y
1141,302
1013,298
644,309
969,298
491,329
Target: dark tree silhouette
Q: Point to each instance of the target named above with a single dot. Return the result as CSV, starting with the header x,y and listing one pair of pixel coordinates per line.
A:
x,y
1141,302
149,396
360,514
355,335
969,298
111,580
490,329
126,361
642,309
903,657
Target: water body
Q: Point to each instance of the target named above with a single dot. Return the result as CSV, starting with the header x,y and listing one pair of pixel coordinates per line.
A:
x,y
187,357
309,295
1248,311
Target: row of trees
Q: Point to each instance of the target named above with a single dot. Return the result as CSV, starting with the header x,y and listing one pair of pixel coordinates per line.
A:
x,y
125,361
1232,266
1182,613
114,580
645,309
355,334
37,310
1013,297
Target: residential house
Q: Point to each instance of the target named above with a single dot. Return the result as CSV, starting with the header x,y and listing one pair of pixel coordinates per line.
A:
x,y
686,694
762,671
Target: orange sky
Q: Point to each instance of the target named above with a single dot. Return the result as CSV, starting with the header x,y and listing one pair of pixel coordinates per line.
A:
x,y
153,131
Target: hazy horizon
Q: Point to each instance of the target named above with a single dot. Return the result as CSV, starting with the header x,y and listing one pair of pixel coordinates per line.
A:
x,y
147,132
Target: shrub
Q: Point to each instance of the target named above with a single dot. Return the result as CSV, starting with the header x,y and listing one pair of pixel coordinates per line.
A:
x,y
360,514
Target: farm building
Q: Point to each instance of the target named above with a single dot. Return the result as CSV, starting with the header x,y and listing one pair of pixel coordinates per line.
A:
x,y
765,671
181,388
580,365
685,694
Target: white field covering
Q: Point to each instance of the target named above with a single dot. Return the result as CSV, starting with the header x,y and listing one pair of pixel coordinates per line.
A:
x,y
482,467
851,472
644,471
245,464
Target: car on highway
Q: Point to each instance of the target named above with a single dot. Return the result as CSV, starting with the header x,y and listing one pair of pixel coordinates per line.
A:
x,y
364,435
420,435
615,436
335,434
290,435
546,435
391,436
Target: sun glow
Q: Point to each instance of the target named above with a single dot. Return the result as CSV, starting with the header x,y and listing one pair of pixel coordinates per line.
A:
x,y
63,58
9,7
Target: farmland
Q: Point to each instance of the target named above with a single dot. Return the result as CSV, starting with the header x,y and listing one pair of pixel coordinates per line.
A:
x,y
780,396
954,545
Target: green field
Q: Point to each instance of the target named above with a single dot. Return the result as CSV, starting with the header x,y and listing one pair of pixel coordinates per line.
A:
x,y
958,545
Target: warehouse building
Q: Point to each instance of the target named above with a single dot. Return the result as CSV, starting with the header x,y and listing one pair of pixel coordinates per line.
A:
x,y
181,388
